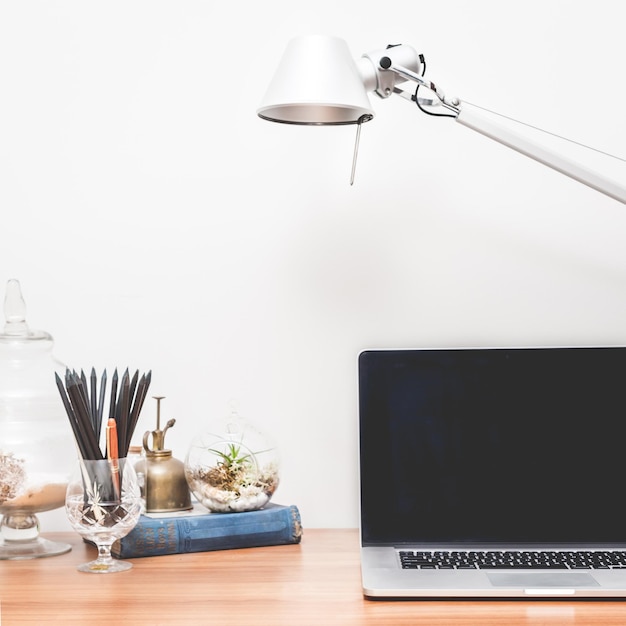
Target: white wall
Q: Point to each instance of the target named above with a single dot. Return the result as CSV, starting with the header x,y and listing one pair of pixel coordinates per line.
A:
x,y
154,221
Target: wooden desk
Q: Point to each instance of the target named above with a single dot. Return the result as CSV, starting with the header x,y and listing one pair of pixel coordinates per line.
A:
x,y
315,582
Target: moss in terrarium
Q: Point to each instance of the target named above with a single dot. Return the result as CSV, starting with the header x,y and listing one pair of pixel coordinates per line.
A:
x,y
237,472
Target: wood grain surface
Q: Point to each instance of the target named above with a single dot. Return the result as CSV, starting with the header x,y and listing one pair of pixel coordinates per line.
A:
x,y
315,582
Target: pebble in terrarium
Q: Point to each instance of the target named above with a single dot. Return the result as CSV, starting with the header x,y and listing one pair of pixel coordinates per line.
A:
x,y
233,467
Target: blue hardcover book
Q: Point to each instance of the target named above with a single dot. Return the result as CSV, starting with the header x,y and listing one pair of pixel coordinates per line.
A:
x,y
203,531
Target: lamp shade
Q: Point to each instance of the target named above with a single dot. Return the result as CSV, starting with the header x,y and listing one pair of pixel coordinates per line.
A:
x,y
317,82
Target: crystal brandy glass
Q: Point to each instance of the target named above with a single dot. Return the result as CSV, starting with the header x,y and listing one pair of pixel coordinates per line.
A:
x,y
103,503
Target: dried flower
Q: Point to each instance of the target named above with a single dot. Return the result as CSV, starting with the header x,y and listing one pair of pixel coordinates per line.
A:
x,y
12,476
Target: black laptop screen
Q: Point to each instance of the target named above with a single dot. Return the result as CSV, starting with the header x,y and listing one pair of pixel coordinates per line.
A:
x,y
520,445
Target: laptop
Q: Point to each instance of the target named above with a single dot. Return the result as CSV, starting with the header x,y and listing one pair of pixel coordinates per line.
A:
x,y
493,472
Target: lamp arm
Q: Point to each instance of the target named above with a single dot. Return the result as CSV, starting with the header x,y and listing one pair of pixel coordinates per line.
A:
x,y
560,163
515,141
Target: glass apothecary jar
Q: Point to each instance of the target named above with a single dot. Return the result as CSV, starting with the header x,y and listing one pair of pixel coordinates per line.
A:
x,y
232,467
36,443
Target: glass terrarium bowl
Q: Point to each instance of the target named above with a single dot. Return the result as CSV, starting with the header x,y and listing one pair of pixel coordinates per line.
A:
x,y
232,468
36,444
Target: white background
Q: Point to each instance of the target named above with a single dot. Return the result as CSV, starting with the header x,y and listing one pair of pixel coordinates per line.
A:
x,y
154,221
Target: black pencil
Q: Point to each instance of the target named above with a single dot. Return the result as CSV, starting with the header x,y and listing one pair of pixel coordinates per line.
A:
x,y
72,418
136,408
112,405
93,405
83,421
84,405
123,412
103,385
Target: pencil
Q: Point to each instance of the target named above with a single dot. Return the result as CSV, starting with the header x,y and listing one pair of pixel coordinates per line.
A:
x,y
103,385
93,399
112,405
84,405
113,455
72,418
83,421
140,396
122,413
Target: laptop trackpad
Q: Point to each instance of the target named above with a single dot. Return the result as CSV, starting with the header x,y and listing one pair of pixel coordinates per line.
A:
x,y
539,580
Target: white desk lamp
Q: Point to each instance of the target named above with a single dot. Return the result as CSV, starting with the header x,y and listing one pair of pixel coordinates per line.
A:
x,y
318,83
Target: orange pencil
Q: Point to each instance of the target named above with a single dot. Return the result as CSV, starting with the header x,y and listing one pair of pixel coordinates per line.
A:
x,y
112,453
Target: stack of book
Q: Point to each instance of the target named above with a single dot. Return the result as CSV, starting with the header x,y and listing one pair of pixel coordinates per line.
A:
x,y
201,531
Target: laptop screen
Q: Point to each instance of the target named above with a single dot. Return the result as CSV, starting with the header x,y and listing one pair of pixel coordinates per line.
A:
x,y
508,446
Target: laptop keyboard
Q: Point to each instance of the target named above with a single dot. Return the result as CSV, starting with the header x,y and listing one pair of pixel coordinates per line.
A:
x,y
530,559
